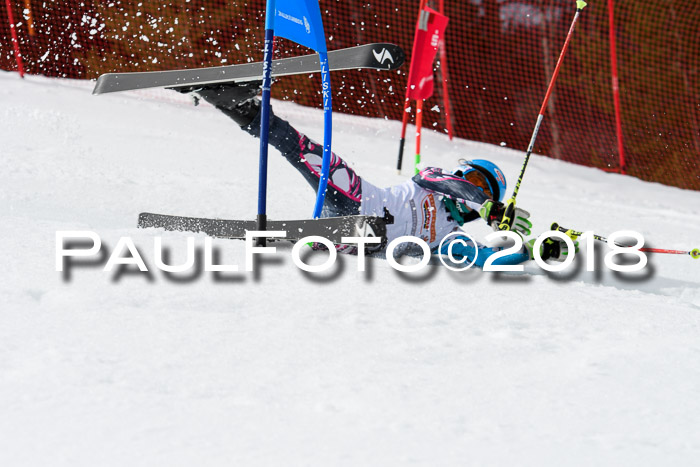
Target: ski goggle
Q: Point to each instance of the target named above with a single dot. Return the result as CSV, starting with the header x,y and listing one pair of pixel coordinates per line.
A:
x,y
475,177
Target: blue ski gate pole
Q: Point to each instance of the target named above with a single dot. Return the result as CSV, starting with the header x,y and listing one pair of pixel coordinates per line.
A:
x,y
327,134
265,119
299,21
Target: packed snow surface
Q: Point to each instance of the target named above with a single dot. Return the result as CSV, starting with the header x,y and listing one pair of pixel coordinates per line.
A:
x,y
343,368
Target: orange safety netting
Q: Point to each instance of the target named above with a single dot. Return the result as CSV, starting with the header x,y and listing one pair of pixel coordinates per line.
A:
x,y
501,54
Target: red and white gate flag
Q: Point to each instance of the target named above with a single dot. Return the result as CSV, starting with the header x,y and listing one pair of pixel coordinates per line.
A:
x,y
429,32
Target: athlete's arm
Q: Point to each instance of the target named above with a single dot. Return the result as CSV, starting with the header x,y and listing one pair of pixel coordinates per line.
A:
x,y
456,188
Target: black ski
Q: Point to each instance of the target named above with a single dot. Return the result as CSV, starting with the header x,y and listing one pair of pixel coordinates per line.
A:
x,y
332,228
379,56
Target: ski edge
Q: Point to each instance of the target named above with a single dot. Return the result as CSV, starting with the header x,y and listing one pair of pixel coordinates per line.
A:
x,y
332,228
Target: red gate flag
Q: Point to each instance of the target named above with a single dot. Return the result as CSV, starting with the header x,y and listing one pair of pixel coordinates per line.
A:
x,y
429,32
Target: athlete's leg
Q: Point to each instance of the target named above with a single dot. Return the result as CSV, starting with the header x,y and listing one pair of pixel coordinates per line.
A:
x,y
239,103
344,193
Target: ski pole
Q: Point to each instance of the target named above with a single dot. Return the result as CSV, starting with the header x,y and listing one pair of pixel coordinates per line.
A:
x,y
510,205
694,253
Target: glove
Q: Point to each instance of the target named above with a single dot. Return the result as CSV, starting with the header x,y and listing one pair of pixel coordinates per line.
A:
x,y
553,248
492,213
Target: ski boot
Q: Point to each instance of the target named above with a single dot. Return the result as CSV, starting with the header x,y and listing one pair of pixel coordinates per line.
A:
x,y
237,101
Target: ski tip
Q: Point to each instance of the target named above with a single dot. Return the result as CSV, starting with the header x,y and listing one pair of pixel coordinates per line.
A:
x,y
389,56
695,253
143,220
399,59
102,84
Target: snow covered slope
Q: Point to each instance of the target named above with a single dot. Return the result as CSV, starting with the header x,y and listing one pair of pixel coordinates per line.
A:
x,y
288,368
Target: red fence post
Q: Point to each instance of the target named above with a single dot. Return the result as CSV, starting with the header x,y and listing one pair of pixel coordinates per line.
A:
x,y
419,129
30,24
15,42
407,102
445,78
616,88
